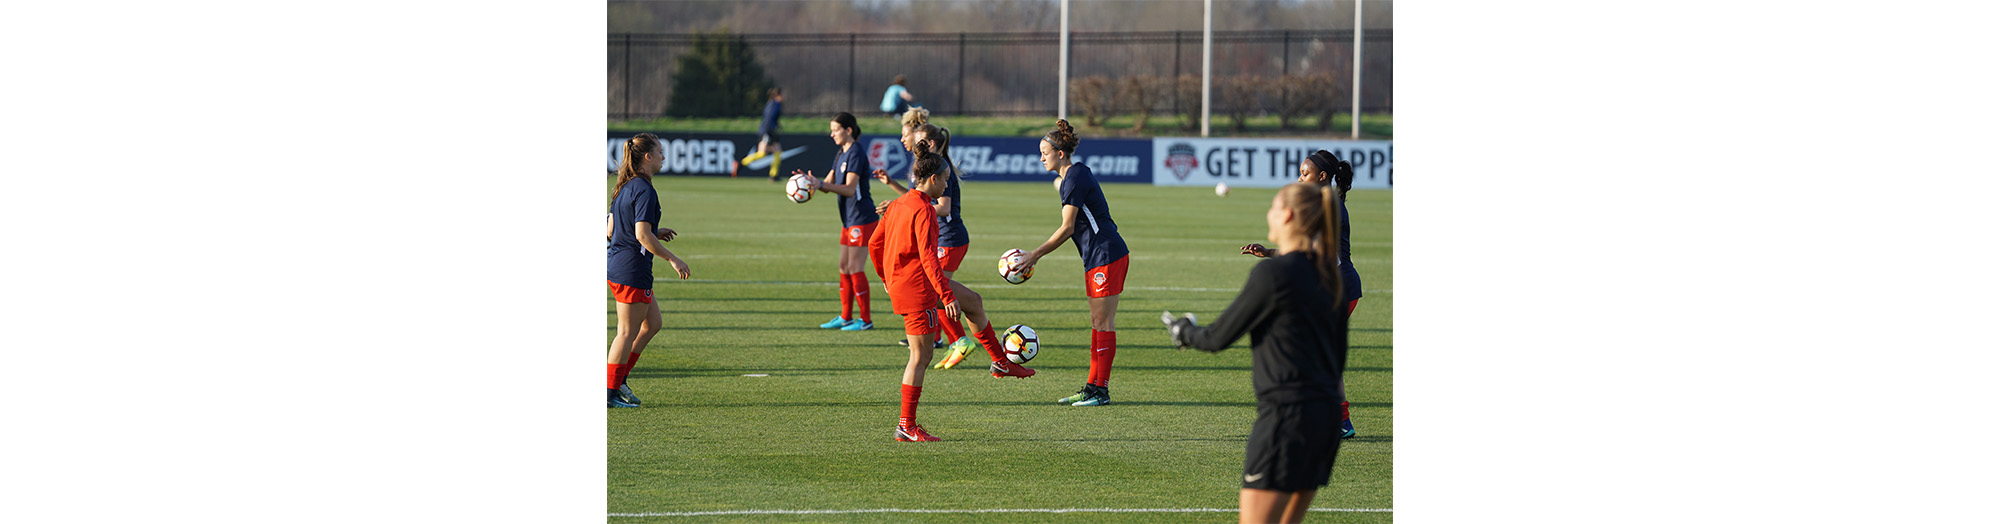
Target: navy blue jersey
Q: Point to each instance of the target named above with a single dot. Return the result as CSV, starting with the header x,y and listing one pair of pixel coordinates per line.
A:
x,y
771,111
627,262
951,226
1096,236
859,210
1348,276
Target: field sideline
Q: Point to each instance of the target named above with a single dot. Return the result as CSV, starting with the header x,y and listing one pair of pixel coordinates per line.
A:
x,y
814,434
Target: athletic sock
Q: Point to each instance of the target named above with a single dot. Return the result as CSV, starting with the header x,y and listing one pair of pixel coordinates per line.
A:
x,y
631,363
992,343
952,330
910,394
775,158
846,296
611,376
861,296
1103,347
1343,410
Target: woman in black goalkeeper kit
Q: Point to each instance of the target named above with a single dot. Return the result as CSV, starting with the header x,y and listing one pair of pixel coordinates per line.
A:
x,y
1290,308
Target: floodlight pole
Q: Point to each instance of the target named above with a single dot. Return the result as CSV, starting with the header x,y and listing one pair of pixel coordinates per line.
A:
x,y
1062,67
1207,56
1356,131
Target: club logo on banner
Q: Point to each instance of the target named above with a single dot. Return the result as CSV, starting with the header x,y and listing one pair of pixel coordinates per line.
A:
x,y
887,155
1254,162
1180,159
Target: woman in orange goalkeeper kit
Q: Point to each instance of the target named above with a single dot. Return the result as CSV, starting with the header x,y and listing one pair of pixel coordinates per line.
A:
x,y
904,249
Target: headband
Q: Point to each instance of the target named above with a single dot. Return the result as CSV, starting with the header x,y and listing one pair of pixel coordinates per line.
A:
x,y
1324,166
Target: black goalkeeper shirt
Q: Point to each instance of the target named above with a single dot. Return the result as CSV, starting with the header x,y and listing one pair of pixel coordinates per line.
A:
x,y
1298,341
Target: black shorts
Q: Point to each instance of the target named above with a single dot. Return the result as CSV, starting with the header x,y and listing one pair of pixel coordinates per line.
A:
x,y
1292,446
771,137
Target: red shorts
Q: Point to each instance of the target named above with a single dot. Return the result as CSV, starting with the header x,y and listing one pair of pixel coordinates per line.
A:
x,y
630,295
1106,280
922,322
949,257
857,235
1350,306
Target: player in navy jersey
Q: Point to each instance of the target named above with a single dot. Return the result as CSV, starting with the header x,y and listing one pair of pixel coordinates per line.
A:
x,y
1322,169
634,239
1291,309
1086,218
767,136
953,241
848,179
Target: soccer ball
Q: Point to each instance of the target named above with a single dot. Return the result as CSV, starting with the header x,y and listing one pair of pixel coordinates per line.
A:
x,y
1011,259
1020,343
1221,189
800,188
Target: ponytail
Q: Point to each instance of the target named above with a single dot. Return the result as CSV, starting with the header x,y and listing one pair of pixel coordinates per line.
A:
x,y
628,167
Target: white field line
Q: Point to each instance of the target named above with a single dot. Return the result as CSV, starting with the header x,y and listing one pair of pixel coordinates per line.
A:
x,y
1032,239
1229,257
1029,510
974,286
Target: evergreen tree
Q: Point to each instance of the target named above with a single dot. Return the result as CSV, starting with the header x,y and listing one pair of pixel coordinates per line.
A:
x,y
719,77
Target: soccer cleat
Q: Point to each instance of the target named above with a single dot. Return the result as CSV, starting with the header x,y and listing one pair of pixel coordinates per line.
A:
x,y
858,325
1010,369
914,434
625,395
1098,397
836,323
1347,428
611,401
958,351
1078,397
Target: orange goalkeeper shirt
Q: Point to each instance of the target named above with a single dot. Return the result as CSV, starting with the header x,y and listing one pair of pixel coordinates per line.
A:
x,y
904,250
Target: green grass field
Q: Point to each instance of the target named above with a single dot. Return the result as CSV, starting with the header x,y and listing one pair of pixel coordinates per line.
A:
x,y
1373,127
815,433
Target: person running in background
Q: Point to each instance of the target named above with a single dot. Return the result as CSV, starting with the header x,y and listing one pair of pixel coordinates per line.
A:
x,y
1086,217
633,241
767,135
1291,309
897,99
857,221
1322,169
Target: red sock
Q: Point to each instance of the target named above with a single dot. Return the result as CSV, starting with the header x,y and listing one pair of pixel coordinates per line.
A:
x,y
910,394
992,344
1343,411
1103,347
952,330
631,362
846,296
611,376
861,296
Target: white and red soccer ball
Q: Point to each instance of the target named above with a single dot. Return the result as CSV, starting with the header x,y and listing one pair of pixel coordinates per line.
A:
x,y
1010,266
800,188
1020,343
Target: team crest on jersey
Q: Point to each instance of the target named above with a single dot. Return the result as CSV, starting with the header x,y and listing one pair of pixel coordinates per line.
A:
x,y
1097,278
886,154
1180,159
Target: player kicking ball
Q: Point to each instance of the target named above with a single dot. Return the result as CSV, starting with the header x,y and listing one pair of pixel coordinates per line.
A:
x,y
904,251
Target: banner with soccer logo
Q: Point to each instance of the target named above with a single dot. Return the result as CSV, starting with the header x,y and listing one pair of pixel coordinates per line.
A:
x,y
1254,162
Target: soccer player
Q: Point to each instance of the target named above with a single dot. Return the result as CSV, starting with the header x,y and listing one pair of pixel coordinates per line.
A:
x,y
905,254
634,241
1322,169
953,240
767,132
932,138
857,221
1087,218
1290,310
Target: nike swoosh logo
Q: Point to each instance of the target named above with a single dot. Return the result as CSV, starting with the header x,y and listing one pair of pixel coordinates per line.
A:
x,y
1100,349
765,162
1252,478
